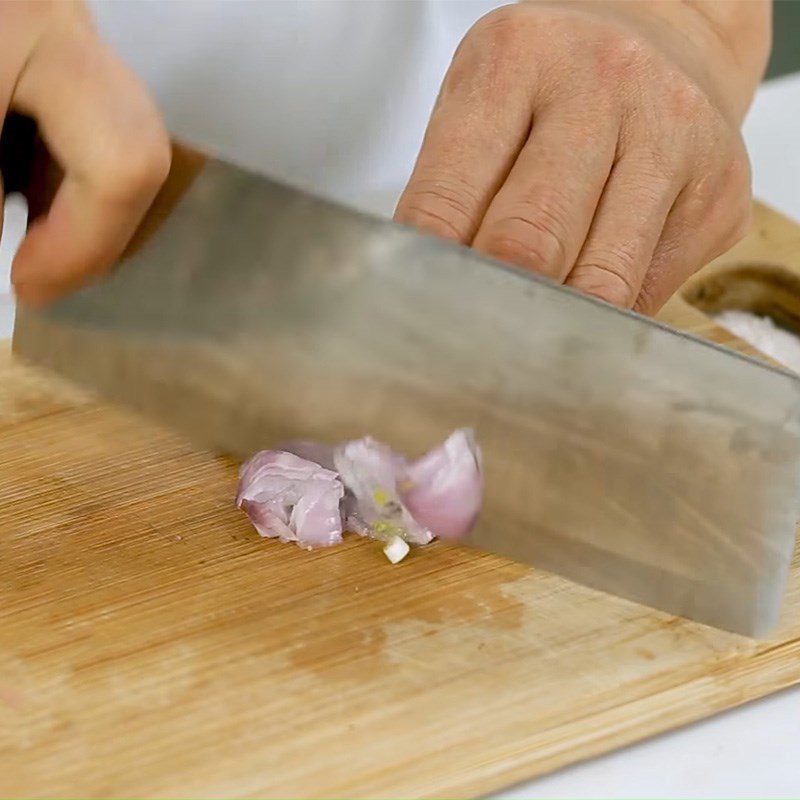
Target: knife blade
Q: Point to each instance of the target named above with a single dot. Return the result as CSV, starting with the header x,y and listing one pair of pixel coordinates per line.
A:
x,y
619,453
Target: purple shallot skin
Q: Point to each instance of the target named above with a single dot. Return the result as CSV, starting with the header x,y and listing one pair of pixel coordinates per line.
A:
x,y
310,492
291,498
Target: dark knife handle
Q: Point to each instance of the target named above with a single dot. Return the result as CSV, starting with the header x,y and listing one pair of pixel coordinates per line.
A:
x,y
18,149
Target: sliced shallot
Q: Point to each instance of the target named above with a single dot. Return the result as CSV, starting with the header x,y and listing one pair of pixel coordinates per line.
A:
x,y
310,492
443,490
291,498
370,471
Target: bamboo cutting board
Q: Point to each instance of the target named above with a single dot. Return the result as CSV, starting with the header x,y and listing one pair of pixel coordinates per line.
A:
x,y
151,645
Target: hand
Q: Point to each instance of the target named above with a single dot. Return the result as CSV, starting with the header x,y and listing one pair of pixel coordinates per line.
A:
x,y
595,143
100,126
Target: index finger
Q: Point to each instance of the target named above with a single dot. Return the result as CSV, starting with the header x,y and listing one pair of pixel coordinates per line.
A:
x,y
105,132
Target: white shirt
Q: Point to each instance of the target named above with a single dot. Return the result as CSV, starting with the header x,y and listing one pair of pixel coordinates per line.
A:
x,y
330,95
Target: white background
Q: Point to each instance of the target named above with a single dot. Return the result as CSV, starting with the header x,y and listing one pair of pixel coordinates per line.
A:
x,y
334,96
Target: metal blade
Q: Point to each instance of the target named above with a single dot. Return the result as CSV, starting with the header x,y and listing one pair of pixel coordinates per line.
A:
x,y
618,452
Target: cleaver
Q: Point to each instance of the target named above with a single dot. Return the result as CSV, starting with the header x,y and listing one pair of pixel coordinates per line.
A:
x,y
619,453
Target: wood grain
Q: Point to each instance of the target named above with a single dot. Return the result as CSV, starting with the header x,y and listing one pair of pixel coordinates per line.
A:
x,y
152,645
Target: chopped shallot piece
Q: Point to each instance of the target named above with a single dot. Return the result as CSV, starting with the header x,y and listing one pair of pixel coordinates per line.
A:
x,y
443,490
370,470
291,498
396,549
309,492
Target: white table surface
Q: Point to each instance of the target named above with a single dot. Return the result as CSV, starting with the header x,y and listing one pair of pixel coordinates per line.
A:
x,y
753,751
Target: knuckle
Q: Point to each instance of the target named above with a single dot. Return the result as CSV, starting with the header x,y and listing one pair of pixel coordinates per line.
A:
x,y
132,169
686,100
527,252
490,54
499,28
535,238
444,207
425,219
607,275
622,52
533,233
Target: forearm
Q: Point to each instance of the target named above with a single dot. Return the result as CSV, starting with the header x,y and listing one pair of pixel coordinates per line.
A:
x,y
727,42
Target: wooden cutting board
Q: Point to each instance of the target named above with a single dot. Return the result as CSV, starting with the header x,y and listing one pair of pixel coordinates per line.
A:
x,y
151,645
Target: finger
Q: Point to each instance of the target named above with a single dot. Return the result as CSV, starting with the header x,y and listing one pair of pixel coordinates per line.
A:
x,y
541,215
186,165
705,222
101,126
625,231
481,121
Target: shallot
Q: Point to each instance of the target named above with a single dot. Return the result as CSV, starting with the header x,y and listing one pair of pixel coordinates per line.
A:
x,y
291,498
443,490
309,492
371,471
